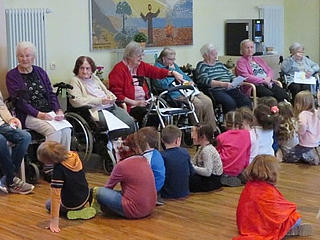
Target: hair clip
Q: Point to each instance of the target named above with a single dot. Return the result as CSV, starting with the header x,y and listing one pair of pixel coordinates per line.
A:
x,y
274,109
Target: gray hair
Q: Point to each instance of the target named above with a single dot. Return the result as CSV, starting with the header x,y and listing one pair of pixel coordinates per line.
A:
x,y
295,47
26,45
133,48
166,52
206,49
243,42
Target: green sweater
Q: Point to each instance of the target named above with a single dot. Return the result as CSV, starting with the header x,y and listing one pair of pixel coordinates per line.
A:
x,y
205,73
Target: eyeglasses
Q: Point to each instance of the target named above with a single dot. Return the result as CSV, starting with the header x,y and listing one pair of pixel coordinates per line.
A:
x,y
171,59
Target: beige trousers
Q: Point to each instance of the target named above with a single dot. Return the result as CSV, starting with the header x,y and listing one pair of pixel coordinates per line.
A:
x,y
204,110
62,136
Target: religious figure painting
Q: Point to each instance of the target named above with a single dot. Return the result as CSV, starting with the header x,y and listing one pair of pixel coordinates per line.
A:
x,y
114,23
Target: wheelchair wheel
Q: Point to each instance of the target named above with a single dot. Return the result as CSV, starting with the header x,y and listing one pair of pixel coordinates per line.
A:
x,y
81,136
108,159
32,173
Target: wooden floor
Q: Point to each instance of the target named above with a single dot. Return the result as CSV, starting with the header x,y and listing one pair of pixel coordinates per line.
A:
x,y
200,216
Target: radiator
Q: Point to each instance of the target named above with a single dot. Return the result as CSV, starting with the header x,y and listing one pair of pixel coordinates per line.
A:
x,y
26,24
273,27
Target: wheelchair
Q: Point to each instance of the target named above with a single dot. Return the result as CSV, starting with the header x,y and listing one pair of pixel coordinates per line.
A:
x,y
168,111
283,79
87,136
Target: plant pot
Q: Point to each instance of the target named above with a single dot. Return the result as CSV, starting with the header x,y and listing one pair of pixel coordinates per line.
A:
x,y
143,44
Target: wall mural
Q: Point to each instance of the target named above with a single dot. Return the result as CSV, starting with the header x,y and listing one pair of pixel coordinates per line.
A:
x,y
114,23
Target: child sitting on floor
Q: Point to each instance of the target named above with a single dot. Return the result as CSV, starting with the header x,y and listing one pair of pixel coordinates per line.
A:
x,y
69,187
263,212
308,130
267,120
138,194
234,148
149,137
287,136
177,163
206,162
247,123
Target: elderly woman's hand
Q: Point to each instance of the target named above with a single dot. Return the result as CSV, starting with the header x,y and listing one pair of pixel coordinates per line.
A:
x,y
267,80
308,74
15,122
140,103
59,115
178,76
44,116
107,100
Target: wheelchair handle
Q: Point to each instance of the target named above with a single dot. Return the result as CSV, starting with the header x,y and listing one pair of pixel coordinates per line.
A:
x,y
180,87
63,85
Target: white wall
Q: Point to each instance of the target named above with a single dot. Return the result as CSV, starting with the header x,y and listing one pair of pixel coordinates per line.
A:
x,y
68,30
302,25
3,51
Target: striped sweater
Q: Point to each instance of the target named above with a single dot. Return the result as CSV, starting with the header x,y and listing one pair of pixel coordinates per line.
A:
x,y
205,73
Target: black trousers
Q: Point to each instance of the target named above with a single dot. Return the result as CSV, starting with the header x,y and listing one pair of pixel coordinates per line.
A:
x,y
198,183
229,99
297,87
276,92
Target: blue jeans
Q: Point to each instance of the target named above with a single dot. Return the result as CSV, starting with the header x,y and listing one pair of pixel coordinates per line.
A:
x,y
110,200
10,163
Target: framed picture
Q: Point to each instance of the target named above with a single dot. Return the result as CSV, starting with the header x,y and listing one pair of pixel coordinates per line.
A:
x,y
113,24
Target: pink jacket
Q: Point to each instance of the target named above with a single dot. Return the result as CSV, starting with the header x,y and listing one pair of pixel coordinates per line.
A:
x,y
244,69
309,128
234,149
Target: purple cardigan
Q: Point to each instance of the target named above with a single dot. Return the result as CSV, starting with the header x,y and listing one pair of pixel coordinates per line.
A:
x,y
244,69
16,83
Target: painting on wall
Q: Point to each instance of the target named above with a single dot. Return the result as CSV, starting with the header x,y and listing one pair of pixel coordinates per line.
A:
x,y
114,23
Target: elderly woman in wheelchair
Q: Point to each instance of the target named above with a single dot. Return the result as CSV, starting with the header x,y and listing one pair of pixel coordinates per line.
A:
x,y
215,80
202,103
296,68
125,83
89,91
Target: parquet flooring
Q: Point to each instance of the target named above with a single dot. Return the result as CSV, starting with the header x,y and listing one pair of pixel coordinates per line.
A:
x,y
200,216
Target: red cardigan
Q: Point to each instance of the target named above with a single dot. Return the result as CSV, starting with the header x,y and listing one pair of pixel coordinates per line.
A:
x,y
120,80
263,213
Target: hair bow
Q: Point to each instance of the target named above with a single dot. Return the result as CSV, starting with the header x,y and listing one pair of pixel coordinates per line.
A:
x,y
274,109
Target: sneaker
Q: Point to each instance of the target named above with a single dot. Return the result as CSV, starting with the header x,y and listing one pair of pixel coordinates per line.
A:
x,y
3,184
19,186
160,201
230,181
84,213
305,229
94,203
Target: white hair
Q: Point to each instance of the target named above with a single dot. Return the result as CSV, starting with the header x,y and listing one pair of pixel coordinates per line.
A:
x,y
243,42
295,47
206,49
26,45
133,48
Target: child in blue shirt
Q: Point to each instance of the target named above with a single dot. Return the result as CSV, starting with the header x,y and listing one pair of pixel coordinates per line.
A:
x,y
150,137
178,164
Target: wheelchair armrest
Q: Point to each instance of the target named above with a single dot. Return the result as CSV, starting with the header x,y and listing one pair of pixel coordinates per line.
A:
x,y
62,85
82,111
254,92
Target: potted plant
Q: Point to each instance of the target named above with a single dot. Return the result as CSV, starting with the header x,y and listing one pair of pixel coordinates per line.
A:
x,y
99,72
141,38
